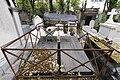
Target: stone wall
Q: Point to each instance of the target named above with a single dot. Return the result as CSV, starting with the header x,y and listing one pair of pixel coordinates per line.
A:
x,y
10,28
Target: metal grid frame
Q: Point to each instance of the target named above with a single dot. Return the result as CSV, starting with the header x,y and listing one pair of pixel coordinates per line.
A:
x,y
28,35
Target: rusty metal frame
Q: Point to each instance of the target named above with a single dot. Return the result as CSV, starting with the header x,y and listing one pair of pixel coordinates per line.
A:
x,y
64,77
76,61
24,47
34,48
90,44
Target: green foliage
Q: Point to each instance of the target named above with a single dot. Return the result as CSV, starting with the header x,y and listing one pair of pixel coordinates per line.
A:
x,y
112,4
97,25
100,20
39,6
19,4
43,5
75,4
56,5
71,3
118,3
104,18
28,5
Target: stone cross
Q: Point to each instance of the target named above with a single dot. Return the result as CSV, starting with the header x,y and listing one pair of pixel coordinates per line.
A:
x,y
112,13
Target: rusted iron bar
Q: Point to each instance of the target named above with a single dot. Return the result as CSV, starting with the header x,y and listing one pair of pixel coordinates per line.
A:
x,y
9,62
31,41
58,49
38,63
59,59
9,43
64,76
78,61
97,70
53,77
86,62
103,67
69,25
35,36
24,51
21,58
38,24
103,42
82,36
27,60
36,41
24,60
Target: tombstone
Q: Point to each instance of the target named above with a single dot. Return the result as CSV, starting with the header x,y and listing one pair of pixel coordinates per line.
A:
x,y
37,21
24,17
90,28
92,23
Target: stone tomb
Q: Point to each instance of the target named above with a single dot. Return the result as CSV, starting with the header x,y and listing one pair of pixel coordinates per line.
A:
x,y
110,29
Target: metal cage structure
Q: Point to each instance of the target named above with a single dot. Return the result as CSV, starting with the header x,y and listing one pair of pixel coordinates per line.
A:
x,y
22,52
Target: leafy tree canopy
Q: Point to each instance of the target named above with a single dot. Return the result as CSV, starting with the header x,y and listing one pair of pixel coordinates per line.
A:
x,y
75,4
112,4
39,6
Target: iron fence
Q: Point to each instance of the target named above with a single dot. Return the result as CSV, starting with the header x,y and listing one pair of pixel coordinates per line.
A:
x,y
29,46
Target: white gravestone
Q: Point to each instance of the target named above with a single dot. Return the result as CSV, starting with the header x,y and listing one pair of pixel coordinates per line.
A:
x,y
90,28
38,22
92,23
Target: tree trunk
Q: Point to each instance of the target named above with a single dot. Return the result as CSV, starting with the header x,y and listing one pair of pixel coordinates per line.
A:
x,y
32,5
23,4
68,6
61,6
51,5
85,4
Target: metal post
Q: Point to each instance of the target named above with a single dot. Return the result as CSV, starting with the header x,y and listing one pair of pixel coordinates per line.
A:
x,y
31,40
85,4
9,62
59,54
103,67
59,59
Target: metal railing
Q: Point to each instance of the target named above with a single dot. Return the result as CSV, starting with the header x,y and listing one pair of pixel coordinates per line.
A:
x,y
29,46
